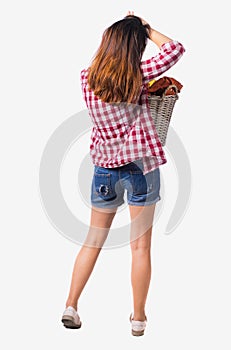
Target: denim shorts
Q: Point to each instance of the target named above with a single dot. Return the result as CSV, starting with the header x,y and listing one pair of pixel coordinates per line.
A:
x,y
109,184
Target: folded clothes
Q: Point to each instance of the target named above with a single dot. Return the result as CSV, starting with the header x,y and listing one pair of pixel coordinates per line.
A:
x,y
158,87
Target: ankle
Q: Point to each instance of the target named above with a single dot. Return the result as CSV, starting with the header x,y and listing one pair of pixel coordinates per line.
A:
x,y
139,316
73,304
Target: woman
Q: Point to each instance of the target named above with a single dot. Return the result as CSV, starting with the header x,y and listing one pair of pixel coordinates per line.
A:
x,y
126,153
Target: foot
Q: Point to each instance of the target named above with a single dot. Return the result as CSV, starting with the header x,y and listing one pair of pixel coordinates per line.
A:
x,y
138,327
71,318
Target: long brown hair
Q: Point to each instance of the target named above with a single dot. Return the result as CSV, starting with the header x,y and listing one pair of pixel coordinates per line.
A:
x,y
115,74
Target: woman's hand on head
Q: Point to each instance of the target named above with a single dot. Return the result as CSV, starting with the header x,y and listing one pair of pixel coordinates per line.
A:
x,y
131,13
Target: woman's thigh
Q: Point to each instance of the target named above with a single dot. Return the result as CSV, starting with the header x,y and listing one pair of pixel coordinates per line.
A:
x,y
100,223
142,218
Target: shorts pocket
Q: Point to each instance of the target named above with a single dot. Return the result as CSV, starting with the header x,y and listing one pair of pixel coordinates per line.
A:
x,y
142,184
100,170
103,186
139,184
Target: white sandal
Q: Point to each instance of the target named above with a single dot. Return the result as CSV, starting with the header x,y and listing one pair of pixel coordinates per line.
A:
x,y
71,319
138,327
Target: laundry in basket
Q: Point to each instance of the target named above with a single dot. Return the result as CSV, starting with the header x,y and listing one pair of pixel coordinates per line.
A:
x,y
162,95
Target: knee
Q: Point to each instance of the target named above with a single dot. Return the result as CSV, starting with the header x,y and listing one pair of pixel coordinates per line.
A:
x,y
96,237
140,247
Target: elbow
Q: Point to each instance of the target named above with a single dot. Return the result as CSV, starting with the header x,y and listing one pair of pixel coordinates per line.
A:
x,y
175,45
182,49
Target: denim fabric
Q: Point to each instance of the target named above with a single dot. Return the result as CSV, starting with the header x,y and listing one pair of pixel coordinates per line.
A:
x,y
109,184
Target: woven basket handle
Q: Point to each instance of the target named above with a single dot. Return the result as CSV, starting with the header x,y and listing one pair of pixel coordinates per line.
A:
x,y
170,87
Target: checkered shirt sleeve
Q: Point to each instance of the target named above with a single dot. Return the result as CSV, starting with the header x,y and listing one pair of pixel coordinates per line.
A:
x,y
169,54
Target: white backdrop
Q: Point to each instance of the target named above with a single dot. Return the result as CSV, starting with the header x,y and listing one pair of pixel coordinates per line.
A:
x,y
44,46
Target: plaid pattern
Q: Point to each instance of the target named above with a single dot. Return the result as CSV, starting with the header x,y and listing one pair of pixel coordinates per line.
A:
x,y
123,132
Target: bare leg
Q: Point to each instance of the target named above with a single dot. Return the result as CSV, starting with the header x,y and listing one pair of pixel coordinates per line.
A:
x,y
101,220
141,232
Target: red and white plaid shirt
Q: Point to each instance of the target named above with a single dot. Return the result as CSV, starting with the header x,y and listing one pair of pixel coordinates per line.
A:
x,y
123,132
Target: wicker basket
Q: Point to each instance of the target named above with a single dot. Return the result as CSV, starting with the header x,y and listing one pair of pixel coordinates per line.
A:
x,y
161,111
